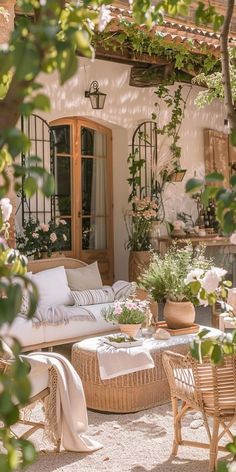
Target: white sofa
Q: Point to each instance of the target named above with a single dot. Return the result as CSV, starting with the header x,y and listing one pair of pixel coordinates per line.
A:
x,y
32,337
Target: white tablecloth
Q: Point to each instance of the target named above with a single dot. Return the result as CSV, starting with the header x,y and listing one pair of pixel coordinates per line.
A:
x,y
114,362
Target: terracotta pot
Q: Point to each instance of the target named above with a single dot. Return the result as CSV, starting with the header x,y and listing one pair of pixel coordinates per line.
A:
x,y
179,314
130,329
138,262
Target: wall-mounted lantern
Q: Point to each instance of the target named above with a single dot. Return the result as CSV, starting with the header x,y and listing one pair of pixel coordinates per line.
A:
x,y
97,98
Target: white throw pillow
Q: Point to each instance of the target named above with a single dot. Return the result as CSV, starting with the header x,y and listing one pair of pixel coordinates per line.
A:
x,y
53,287
84,278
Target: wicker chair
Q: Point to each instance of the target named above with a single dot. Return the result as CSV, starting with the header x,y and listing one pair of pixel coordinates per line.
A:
x,y
46,394
206,388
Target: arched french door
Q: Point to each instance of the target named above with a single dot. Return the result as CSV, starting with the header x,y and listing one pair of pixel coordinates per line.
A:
x,y
83,173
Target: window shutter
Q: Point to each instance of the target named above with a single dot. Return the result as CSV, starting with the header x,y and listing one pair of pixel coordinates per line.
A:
x,y
218,153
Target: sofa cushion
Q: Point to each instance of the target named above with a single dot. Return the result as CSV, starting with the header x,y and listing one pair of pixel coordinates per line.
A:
x,y
84,278
53,287
94,296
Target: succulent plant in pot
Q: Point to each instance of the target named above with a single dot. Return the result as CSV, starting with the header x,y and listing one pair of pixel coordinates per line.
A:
x,y
184,277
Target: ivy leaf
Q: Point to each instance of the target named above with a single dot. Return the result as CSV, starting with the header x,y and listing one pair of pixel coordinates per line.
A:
x,y
67,65
41,102
30,186
193,185
214,177
217,354
48,186
26,60
203,333
28,452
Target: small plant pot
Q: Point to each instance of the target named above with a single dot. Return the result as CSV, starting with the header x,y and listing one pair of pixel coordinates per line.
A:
x,y
179,314
130,329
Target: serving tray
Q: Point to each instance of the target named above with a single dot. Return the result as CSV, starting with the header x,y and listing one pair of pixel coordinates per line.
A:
x,y
136,342
177,332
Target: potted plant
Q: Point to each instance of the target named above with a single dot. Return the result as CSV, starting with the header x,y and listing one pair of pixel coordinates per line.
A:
x,y
183,278
138,222
41,239
130,314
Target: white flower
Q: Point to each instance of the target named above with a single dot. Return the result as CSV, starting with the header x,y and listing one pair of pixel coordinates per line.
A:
x,y
44,227
35,235
53,237
64,237
233,238
194,275
104,18
6,208
130,305
63,222
211,280
232,466
42,2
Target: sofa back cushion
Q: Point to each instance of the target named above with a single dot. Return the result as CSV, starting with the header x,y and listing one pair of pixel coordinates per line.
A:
x,y
84,278
53,287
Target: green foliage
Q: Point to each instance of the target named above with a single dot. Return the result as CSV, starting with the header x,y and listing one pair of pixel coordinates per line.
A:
x,y
177,105
225,198
166,276
47,44
141,41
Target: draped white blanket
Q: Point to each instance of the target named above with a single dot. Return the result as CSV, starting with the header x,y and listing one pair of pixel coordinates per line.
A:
x,y
114,362
71,412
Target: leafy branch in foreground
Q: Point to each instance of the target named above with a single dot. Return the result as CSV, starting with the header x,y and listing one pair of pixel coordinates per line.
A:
x,y
211,187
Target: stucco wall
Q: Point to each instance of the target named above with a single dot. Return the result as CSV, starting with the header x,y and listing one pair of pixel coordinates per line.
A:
x,y
124,109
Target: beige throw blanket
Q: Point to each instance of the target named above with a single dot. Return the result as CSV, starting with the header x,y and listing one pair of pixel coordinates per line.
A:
x,y
71,420
57,315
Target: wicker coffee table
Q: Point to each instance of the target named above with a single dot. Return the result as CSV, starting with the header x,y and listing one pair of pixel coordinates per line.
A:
x,y
132,392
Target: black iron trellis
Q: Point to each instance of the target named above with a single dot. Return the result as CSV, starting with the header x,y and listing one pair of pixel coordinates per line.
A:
x,y
144,149
43,146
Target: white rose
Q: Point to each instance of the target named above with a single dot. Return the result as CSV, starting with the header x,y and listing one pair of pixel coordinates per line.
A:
x,y
193,275
104,18
211,281
233,238
6,208
232,467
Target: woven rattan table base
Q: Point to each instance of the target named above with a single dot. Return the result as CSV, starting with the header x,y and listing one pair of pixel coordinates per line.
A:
x,y
126,393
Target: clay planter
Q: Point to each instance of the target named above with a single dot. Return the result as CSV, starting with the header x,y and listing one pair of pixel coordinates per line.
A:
x,y
179,314
130,329
138,263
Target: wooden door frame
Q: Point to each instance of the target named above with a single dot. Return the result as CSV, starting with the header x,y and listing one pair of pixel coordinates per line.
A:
x,y
76,123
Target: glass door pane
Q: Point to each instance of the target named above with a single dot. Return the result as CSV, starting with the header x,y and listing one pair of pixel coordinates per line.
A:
x,y
93,188
63,207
